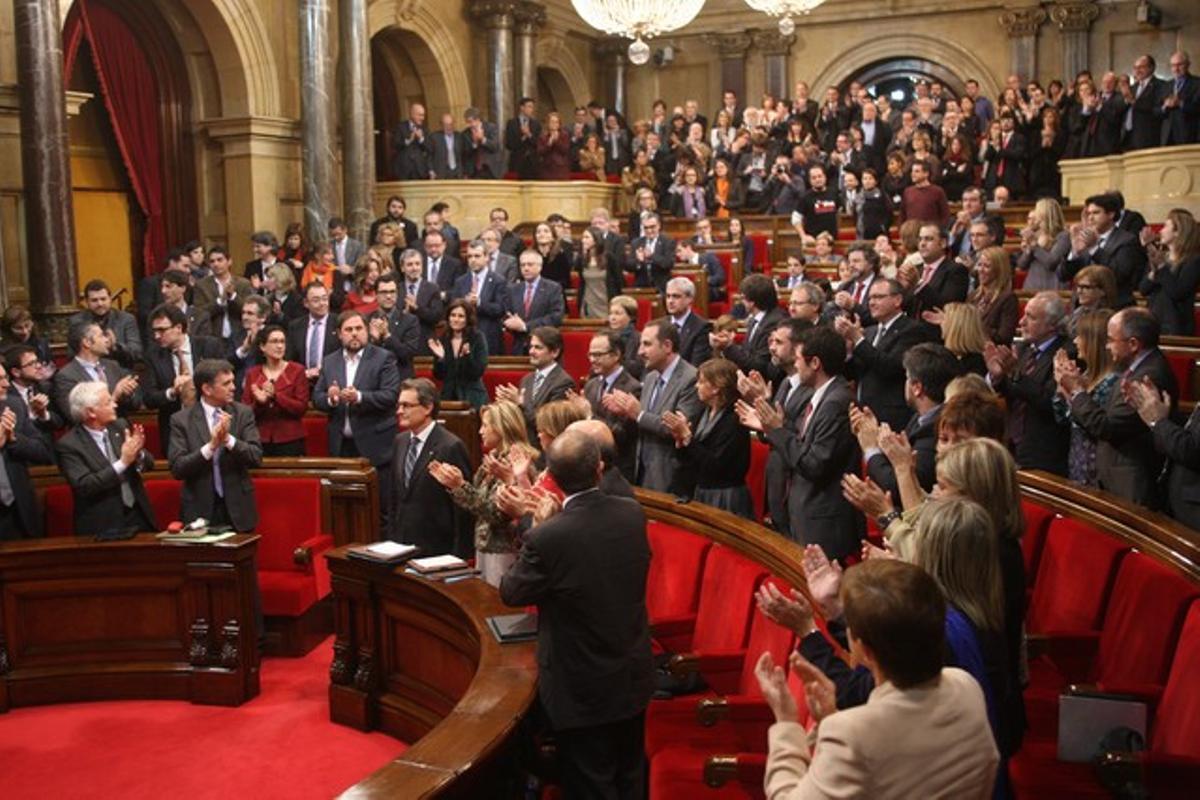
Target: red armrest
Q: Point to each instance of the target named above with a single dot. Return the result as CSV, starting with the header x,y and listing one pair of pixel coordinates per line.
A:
x,y
747,769
307,559
734,708
674,626
721,670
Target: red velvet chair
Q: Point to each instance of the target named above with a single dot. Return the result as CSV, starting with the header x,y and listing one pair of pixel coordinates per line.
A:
x,y
756,476
316,435
493,377
155,438
574,354
676,565
58,510
722,617
165,498
1077,568
1037,521
1182,364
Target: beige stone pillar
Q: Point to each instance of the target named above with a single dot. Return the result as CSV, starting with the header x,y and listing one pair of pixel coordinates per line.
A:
x,y
527,20
775,48
317,108
497,17
731,48
1021,25
1074,20
613,55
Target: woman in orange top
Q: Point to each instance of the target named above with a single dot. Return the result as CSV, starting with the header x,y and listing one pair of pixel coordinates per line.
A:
x,y
725,192
321,268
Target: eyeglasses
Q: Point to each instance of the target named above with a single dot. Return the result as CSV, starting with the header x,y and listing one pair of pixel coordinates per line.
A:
x,y
880,296
157,331
1087,286
600,354
404,404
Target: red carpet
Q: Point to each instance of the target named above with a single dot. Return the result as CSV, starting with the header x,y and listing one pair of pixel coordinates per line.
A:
x,y
279,745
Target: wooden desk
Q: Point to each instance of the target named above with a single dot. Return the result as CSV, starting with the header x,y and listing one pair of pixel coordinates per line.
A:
x,y
415,659
87,620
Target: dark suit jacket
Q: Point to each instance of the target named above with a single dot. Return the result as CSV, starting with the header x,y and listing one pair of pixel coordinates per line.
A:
x,y
160,375
403,340
297,338
96,486
1104,132
189,434
430,310
449,271
26,448
1012,158
1038,440
72,373
1181,125
778,473
490,309
1127,462
923,438
718,456
585,569
522,153
547,308
880,370
656,270
422,512
1181,446
410,161
614,484
818,458
1123,254
948,284
657,455
555,387
485,159
754,354
373,418
624,431
693,340
124,327
1147,122
439,154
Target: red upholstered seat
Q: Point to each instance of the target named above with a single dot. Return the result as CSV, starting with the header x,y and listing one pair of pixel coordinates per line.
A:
x,y
155,438
1077,567
760,252
676,565
1182,365
722,618
59,510
1019,279
316,435
756,476
1037,520
574,355
164,494
645,311
498,377
1176,730
290,517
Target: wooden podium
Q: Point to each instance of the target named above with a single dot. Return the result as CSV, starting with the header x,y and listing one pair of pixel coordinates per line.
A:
x,y
88,620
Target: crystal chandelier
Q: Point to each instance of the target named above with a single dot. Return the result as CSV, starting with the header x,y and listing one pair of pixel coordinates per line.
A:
x,y
785,9
638,19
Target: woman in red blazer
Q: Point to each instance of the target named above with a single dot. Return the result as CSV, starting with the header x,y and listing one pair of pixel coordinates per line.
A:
x,y
278,392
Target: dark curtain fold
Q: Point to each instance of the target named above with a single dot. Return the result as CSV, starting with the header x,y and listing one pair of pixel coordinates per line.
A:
x,y
130,92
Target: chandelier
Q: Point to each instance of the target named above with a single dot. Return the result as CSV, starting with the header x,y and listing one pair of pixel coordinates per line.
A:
x,y
638,19
785,9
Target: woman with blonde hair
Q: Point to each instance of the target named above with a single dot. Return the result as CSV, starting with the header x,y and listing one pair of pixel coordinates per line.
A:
x,y
622,319
1045,245
1091,340
507,459
285,301
1170,283
994,296
963,335
1095,288
389,243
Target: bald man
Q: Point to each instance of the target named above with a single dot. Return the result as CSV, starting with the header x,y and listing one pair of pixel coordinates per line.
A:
x,y
612,482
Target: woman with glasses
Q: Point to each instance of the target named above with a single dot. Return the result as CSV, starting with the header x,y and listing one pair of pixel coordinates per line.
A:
x,y
1095,288
277,391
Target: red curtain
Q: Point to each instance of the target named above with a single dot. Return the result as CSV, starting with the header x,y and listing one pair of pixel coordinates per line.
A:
x,y
130,92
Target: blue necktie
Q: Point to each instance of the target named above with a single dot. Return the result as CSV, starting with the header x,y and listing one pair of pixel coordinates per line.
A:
x,y
218,482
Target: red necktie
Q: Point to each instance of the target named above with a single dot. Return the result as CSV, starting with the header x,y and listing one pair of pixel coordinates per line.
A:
x,y
528,297
1000,165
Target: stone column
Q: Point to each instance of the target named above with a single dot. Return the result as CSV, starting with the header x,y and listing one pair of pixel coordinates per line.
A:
x,y
45,163
318,151
1021,25
614,53
358,119
527,19
497,17
775,48
731,48
1074,20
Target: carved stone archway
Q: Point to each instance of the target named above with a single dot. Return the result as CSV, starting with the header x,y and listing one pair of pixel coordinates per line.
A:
x,y
438,53
554,53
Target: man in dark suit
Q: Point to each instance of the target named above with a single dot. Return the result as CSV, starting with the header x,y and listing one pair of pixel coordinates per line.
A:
x,y
585,568
606,353
546,383
102,459
213,446
532,303
615,141
91,363
877,135
613,242
483,154
668,385
612,482
419,297
652,255
446,151
487,291
311,337
688,256
852,296
1127,462
1005,155
30,392
942,279
422,512
174,289
1144,94
395,216
1180,108
171,363
20,446
694,329
1099,241
1026,381
393,328
1179,444
442,267
410,160
819,450
121,328
877,353
219,295
520,140
499,263
928,368
763,314
1128,219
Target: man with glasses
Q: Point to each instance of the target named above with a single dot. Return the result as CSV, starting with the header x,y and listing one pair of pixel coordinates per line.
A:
x,y
25,371
652,255
485,289
1181,103
20,446
806,303
171,363
877,353
392,328
693,329
941,281
312,336
606,355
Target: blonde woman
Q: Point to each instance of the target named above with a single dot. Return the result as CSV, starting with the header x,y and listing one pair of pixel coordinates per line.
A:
x,y
389,243
508,459
1170,283
285,301
1045,245
994,296
1091,338
962,334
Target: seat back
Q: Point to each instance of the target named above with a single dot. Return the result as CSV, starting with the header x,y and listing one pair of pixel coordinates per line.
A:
x,y
1037,520
1176,730
574,354
493,377
756,476
676,565
726,600
1144,614
1182,363
165,498
316,435
291,513
58,505
1074,578
768,636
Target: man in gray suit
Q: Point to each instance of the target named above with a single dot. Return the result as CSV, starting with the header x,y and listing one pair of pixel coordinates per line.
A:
x,y
213,446
90,346
819,449
548,381
484,155
120,328
446,150
668,385
499,262
346,252
606,353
